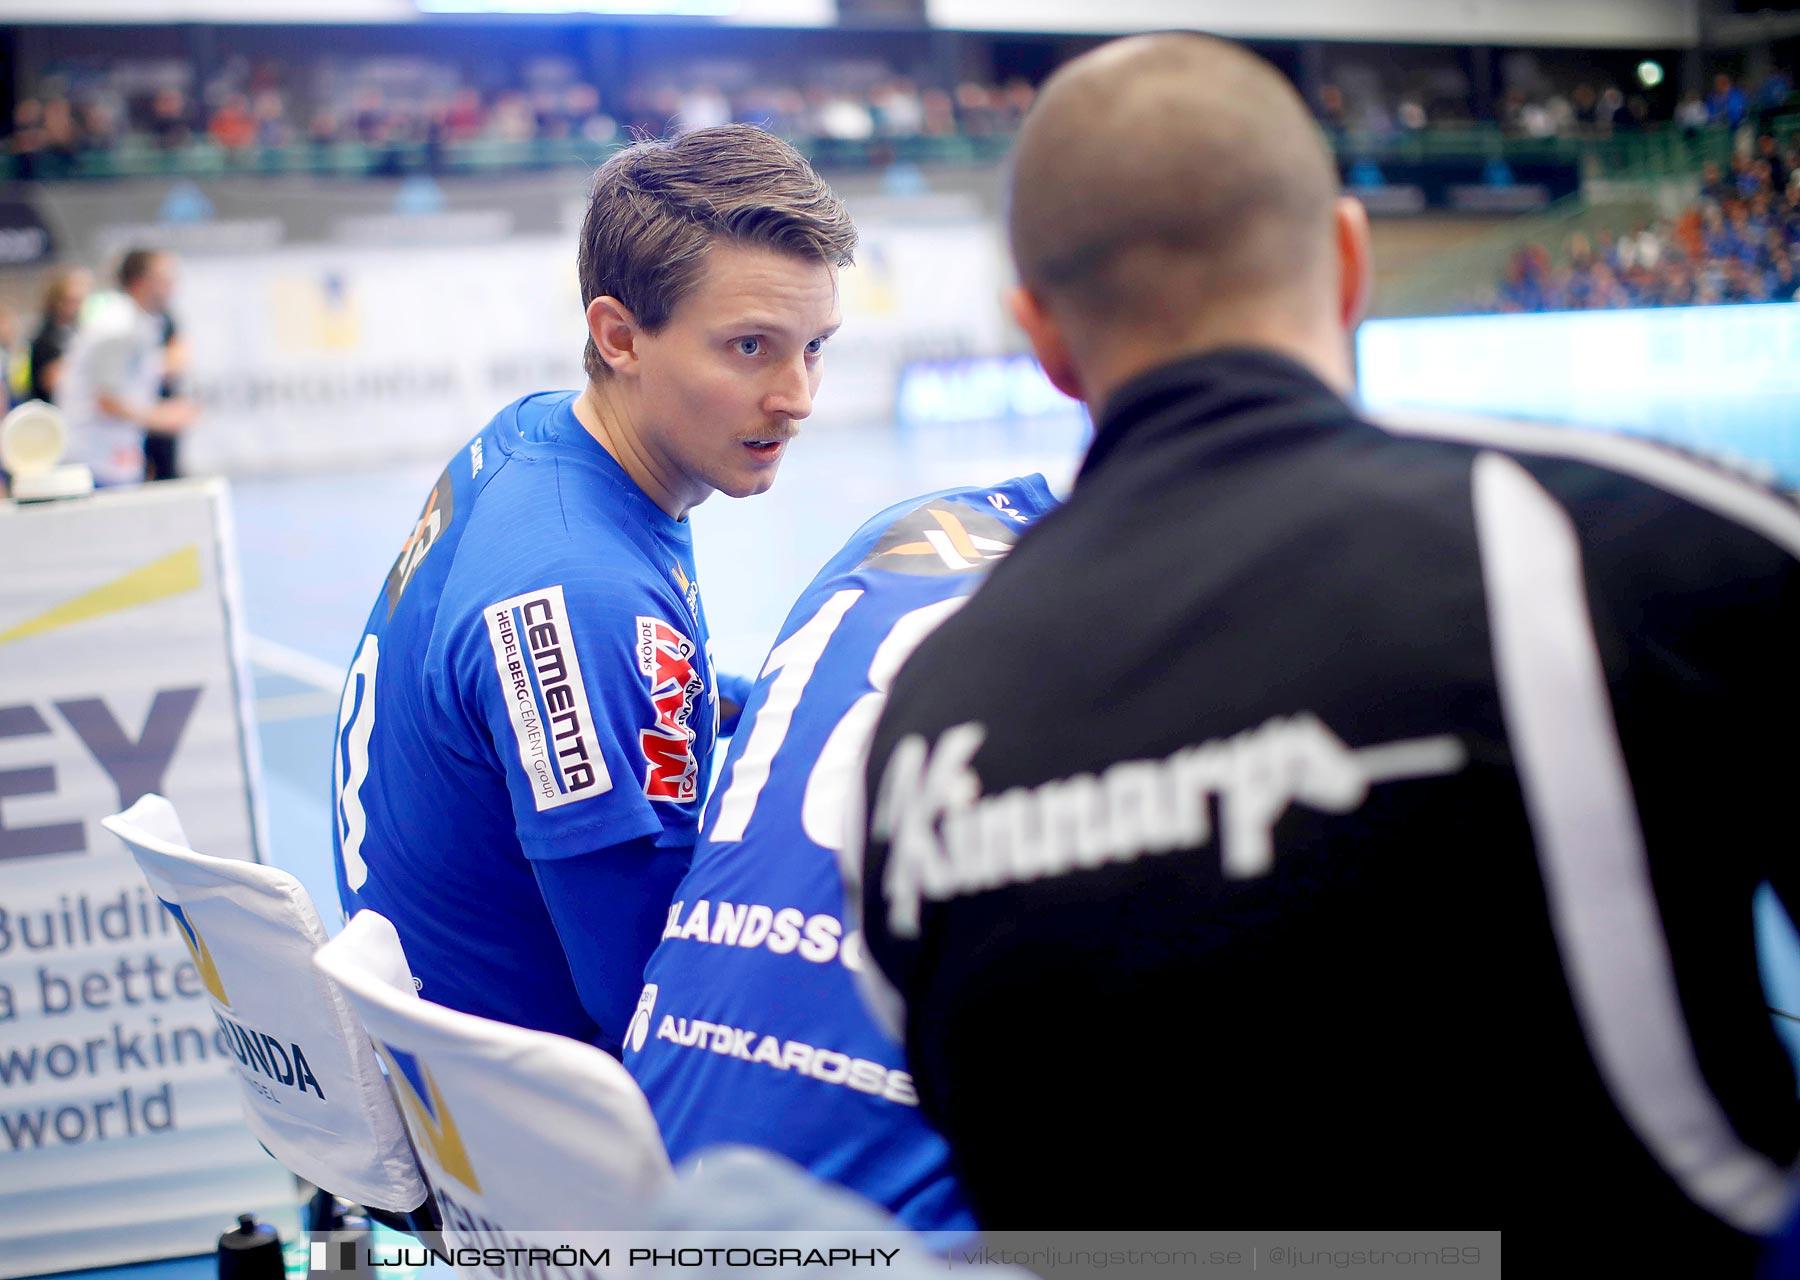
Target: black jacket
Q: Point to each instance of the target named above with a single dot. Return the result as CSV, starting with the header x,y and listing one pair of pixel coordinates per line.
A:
x,y
1325,825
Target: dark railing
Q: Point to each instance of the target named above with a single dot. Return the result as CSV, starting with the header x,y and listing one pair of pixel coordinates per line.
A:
x,y
403,159
1656,151
1661,150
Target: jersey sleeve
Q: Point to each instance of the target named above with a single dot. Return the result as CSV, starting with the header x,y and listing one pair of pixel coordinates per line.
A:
x,y
609,909
589,697
734,692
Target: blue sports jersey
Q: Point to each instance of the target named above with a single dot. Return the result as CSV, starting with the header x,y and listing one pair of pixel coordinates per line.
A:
x,y
532,685
750,1028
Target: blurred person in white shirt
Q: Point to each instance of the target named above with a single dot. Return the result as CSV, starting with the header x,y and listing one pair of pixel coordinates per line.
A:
x,y
899,109
702,107
14,361
110,380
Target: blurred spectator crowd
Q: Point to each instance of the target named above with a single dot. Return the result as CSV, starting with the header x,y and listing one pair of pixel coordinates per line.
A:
x,y
423,104
1739,242
1587,111
1545,110
323,101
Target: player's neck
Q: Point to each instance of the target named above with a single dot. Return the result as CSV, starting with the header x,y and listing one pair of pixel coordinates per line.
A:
x,y
604,415
1110,361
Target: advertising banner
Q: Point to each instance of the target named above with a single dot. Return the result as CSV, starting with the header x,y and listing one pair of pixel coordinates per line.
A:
x,y
121,673
338,357
1723,381
322,357
24,239
1391,187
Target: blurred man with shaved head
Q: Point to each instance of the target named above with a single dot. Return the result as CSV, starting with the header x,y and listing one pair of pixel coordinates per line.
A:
x,y
1170,194
1319,822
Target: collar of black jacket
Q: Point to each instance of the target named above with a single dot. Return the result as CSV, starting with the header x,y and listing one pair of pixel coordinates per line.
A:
x,y
1216,386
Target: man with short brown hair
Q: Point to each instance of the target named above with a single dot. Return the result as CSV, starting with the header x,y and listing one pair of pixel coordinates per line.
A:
x,y
524,741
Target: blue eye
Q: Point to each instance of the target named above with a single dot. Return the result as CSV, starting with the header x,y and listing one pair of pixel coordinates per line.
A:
x,y
748,346
815,346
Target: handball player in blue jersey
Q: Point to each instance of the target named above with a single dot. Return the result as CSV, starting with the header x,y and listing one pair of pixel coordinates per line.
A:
x,y
524,740
750,1028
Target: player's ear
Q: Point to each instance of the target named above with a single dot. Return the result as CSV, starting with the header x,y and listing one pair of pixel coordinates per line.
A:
x,y
1046,339
1356,262
614,330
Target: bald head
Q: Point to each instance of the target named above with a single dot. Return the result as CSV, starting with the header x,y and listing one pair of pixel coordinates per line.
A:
x,y
1160,179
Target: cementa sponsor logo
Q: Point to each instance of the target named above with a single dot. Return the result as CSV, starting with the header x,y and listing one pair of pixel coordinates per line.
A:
x,y
546,698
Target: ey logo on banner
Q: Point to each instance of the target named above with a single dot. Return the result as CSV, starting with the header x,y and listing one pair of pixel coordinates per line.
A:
x,y
433,1125
202,954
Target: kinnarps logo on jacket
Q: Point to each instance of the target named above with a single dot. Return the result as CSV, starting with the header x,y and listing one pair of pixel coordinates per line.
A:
x,y
432,1122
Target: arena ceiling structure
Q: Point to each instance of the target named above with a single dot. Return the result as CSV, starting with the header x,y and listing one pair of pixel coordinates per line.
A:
x,y
1539,22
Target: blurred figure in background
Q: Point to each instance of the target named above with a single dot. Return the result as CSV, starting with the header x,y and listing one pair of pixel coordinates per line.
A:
x,y
27,138
68,289
12,358
1727,105
62,142
109,385
233,125
162,448
168,127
